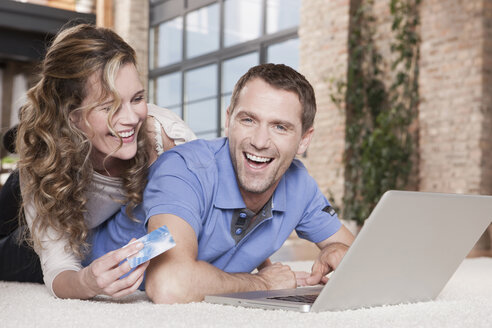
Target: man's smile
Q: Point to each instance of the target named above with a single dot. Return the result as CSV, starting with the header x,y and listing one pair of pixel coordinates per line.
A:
x,y
256,161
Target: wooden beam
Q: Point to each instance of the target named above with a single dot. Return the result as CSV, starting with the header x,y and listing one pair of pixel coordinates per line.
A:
x,y
104,13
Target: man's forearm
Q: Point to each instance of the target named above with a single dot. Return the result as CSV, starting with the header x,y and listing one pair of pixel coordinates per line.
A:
x,y
190,282
177,277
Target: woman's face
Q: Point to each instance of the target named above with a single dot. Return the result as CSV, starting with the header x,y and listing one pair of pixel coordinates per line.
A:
x,y
126,121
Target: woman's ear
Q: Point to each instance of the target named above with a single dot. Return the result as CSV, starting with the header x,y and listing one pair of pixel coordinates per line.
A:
x,y
74,117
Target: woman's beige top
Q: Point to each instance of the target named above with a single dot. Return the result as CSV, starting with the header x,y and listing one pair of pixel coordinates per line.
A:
x,y
103,200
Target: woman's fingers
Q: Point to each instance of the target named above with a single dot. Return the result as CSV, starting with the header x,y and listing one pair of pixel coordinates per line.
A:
x,y
113,259
106,270
128,284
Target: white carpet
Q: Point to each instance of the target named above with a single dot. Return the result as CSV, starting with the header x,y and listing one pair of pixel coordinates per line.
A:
x,y
466,301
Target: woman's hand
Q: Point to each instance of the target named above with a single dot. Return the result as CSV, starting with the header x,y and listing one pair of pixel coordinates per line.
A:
x,y
102,277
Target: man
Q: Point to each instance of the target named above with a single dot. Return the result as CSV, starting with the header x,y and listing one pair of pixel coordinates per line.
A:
x,y
231,203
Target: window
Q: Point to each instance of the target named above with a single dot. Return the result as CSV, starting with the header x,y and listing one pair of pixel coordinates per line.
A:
x,y
232,70
242,21
201,101
286,52
168,37
168,92
200,48
282,14
202,31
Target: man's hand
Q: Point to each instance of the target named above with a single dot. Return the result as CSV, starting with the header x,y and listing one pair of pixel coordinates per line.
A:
x,y
278,276
328,260
263,265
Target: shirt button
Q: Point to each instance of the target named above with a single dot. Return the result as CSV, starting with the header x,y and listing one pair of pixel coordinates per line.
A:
x,y
239,231
242,215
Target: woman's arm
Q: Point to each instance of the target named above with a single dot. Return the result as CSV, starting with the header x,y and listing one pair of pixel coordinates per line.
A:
x,y
63,273
102,277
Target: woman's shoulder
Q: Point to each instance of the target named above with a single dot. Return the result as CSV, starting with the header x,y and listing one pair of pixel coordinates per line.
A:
x,y
174,127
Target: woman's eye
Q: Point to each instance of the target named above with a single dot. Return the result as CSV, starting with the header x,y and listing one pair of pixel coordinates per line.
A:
x,y
138,99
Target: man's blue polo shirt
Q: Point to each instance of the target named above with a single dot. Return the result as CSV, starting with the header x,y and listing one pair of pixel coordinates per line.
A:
x,y
196,182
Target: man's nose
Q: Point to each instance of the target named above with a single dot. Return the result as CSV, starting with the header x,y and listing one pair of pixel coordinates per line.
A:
x,y
261,137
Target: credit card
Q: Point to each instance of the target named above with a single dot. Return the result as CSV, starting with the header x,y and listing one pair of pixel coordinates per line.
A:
x,y
155,243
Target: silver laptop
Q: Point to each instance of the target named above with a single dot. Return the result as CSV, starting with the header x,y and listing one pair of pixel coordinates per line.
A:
x,y
408,249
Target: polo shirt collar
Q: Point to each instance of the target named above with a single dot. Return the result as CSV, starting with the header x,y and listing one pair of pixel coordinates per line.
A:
x,y
228,194
279,200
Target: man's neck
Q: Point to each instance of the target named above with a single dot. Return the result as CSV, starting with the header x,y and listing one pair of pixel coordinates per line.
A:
x,y
256,201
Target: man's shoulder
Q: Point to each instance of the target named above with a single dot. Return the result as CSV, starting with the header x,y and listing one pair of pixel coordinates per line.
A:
x,y
297,169
298,175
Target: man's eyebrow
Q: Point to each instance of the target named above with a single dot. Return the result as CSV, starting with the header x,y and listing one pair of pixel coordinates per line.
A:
x,y
246,113
287,124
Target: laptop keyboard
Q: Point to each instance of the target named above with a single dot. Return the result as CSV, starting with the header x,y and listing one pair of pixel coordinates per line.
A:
x,y
297,298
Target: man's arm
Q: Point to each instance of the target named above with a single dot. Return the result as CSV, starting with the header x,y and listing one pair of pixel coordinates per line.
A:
x,y
176,276
332,250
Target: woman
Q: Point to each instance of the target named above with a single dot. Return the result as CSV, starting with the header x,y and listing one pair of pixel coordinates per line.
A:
x,y
85,139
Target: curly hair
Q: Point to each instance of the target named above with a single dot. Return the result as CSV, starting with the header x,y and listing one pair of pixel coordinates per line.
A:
x,y
55,166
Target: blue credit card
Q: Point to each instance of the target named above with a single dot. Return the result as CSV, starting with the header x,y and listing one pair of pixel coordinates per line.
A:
x,y
155,243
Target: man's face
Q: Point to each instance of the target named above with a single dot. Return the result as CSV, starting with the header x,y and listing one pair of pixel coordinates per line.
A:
x,y
265,134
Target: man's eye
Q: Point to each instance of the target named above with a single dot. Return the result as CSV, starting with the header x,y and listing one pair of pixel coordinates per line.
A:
x,y
280,127
247,120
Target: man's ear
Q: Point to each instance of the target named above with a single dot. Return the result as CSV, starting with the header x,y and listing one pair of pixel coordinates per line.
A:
x,y
226,129
305,141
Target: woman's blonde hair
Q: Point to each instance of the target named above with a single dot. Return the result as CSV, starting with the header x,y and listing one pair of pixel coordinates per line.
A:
x,y
54,164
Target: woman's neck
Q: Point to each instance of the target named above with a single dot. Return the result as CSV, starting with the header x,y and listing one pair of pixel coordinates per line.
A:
x,y
111,167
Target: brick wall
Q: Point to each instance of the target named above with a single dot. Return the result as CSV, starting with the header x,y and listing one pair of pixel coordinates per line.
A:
x,y
486,138
451,112
323,34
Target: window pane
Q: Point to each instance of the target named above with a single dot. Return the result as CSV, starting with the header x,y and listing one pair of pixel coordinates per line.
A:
x,y
201,100
169,38
202,31
286,52
168,92
209,136
225,101
282,14
201,117
201,83
176,109
152,48
232,70
242,21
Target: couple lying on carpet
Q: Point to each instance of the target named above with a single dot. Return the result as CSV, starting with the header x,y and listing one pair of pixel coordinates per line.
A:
x,y
88,143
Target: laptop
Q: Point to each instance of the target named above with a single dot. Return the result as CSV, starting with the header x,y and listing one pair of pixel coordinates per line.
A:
x,y
406,252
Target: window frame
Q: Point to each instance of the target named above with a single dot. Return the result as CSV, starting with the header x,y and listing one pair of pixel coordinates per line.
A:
x,y
164,10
